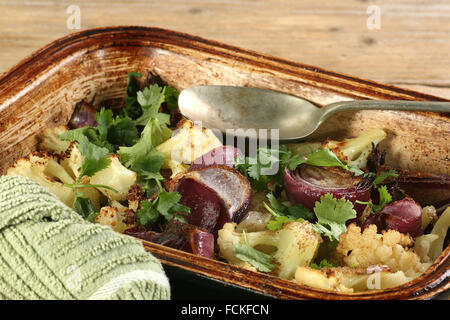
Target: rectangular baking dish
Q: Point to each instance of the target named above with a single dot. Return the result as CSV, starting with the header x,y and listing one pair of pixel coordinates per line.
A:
x,y
42,90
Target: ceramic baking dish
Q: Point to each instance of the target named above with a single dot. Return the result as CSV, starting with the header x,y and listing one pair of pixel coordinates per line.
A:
x,y
42,91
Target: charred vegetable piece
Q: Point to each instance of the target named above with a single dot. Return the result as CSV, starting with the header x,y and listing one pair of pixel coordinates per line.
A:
x,y
206,205
83,115
307,184
404,215
215,194
181,236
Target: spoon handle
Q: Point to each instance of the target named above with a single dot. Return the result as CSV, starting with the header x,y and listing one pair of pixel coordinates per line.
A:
x,y
333,108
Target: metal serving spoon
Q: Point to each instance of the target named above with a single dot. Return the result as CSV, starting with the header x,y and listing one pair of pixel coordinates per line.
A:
x,y
230,107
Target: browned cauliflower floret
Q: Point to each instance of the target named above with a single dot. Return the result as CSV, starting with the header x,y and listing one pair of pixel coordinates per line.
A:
x,y
346,279
391,248
134,197
50,140
117,216
296,245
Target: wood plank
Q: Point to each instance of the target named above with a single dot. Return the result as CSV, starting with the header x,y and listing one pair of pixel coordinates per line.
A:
x,y
411,48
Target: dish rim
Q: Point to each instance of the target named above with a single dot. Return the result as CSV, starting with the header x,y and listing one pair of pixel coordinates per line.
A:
x,y
432,282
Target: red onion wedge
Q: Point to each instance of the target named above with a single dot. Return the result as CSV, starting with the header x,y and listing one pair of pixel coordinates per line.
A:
x,y
83,115
306,184
223,155
215,194
404,215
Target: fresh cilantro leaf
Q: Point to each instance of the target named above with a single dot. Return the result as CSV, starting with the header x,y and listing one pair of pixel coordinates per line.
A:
x,y
84,207
324,157
95,158
119,131
93,136
171,98
356,171
385,198
277,222
166,205
150,100
104,119
267,159
147,215
148,166
132,108
260,260
284,214
332,214
383,176
153,134
323,263
275,204
294,212
123,132
298,211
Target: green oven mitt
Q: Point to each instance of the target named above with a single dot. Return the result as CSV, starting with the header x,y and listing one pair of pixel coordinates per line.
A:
x,y
48,251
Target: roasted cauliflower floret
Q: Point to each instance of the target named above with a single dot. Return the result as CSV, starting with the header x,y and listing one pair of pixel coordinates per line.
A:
x,y
117,177
391,248
187,144
43,167
345,279
430,246
117,216
295,245
134,197
72,160
355,151
50,140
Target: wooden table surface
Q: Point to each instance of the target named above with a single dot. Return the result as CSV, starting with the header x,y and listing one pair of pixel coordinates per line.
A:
x,y
411,47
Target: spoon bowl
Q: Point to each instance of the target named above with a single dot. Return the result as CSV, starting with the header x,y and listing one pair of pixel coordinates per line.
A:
x,y
228,108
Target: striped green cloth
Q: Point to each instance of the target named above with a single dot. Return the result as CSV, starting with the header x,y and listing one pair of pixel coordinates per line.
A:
x,y
47,251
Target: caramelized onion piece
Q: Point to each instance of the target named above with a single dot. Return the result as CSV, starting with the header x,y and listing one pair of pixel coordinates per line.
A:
x,y
404,215
215,194
306,184
83,115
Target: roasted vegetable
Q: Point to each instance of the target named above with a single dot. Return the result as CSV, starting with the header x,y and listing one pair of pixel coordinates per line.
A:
x,y
188,143
43,167
215,194
345,279
403,215
355,151
83,115
307,184
117,177
117,216
50,140
296,245
391,248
